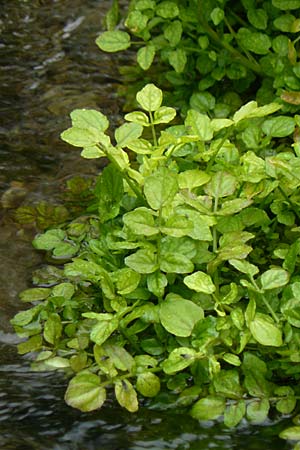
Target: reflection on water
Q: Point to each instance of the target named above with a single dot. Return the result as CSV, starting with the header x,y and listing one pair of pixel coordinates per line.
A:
x,y
34,416
49,66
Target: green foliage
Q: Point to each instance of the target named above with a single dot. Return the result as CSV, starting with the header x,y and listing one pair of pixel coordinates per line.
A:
x,y
183,276
210,54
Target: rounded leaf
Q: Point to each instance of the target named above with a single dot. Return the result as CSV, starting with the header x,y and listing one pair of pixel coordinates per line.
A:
x,y
208,408
179,316
150,97
85,392
200,282
113,41
148,384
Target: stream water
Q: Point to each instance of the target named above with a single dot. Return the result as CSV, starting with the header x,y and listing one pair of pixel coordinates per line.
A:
x,y
50,65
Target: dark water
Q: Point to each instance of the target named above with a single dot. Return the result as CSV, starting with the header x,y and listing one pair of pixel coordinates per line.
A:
x,y
49,66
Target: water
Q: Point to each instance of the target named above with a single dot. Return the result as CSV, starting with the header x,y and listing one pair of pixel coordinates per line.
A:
x,y
49,66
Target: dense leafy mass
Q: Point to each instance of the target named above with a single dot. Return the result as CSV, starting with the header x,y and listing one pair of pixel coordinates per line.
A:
x,y
212,55
180,282
183,277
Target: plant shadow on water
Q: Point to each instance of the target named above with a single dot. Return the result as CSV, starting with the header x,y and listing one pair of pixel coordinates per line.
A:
x,y
50,66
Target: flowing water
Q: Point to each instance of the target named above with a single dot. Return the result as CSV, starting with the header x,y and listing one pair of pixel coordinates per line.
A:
x,y
49,66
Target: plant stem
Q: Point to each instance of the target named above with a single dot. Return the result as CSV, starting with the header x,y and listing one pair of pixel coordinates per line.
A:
x,y
289,202
255,67
153,129
266,303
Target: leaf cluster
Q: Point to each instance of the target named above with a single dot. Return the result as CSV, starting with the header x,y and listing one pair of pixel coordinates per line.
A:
x,y
184,275
211,55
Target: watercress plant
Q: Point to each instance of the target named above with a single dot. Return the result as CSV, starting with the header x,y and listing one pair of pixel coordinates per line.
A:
x,y
183,275
211,55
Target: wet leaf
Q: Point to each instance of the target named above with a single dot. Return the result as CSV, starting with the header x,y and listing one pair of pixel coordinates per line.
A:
x,y
126,395
85,392
208,408
148,384
234,413
257,410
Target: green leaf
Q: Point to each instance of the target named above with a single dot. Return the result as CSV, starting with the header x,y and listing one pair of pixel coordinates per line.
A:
x,y
234,413
103,329
178,315
150,97
176,263
143,261
49,240
190,179
33,344
92,152
286,405
164,114
257,410
291,433
177,226
160,188
112,16
286,4
136,21
179,359
89,119
138,117
280,126
222,184
274,278
156,283
217,16
34,294
244,267
253,168
145,56
127,280
141,221
65,290
121,359
109,191
265,331
173,32
291,311
258,18
82,137
126,395
85,392
148,384
284,22
227,384
208,408
53,329
199,124
256,42
178,59
128,132
167,10
23,318
200,282
113,41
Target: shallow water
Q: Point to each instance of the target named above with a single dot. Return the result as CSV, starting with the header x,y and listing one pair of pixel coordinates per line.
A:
x,y
49,66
